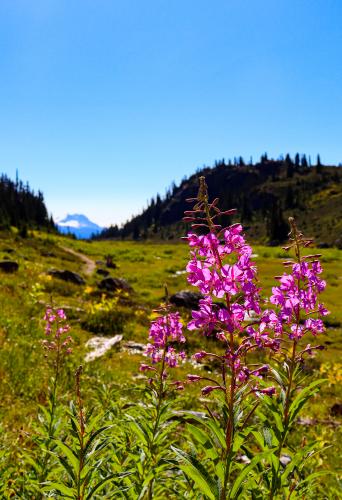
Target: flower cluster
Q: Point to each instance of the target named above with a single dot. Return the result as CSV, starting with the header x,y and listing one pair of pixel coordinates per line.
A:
x,y
56,328
165,330
221,267
207,271
296,297
234,281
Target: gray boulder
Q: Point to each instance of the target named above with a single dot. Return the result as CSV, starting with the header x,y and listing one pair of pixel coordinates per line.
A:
x,y
102,272
114,284
184,298
66,275
9,266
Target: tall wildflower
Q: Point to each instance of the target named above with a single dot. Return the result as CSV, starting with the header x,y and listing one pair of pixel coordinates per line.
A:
x,y
165,334
298,309
297,313
57,346
221,267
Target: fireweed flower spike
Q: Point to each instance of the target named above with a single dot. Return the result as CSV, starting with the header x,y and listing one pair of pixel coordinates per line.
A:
x,y
166,331
297,312
57,347
56,328
221,267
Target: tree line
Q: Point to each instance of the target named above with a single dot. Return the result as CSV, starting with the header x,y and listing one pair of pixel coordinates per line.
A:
x,y
21,207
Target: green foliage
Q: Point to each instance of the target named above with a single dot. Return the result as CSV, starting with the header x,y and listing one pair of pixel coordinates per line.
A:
x,y
26,443
107,317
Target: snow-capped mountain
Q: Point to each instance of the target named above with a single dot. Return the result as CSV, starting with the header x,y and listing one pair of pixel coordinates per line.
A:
x,y
79,225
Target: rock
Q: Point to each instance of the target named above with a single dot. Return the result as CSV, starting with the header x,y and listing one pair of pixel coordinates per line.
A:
x,y
285,460
114,284
109,262
102,272
9,250
323,244
45,253
9,266
100,262
100,345
338,243
306,421
134,347
66,275
243,459
184,298
252,316
336,410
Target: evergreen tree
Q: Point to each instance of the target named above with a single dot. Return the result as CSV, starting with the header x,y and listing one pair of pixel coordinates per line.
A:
x,y
289,166
277,227
304,162
318,165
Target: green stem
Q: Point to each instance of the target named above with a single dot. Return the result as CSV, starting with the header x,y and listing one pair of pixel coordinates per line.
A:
x,y
160,395
230,396
292,367
80,493
52,412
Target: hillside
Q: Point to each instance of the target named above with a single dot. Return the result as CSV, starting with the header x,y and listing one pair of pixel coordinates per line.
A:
x,y
265,194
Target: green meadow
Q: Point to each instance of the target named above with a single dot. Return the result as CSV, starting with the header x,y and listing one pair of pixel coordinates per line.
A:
x,y
146,267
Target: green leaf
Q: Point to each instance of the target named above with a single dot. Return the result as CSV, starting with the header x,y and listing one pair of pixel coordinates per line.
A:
x,y
266,431
235,491
65,490
93,436
139,431
98,487
311,478
67,467
73,459
303,396
198,473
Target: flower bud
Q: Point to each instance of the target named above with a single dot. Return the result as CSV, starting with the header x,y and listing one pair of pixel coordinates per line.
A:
x,y
193,378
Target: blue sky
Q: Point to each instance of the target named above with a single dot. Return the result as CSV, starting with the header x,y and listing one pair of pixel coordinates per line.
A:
x,y
103,103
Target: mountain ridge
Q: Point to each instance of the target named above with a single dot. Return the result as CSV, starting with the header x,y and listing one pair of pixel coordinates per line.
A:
x,y
265,194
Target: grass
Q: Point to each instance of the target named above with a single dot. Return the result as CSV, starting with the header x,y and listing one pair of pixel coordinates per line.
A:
x,y
146,267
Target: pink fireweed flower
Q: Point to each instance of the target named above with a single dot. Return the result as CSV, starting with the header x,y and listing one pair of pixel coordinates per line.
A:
x,y
205,317
56,327
222,269
193,378
166,328
200,355
163,331
210,388
268,391
144,368
296,297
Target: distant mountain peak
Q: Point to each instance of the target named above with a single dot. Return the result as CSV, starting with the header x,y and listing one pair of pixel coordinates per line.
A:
x,y
79,225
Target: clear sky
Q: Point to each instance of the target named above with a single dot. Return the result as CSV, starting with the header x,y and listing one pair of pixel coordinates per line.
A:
x,y
103,103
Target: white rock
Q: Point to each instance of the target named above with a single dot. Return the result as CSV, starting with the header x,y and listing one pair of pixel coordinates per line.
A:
x,y
100,345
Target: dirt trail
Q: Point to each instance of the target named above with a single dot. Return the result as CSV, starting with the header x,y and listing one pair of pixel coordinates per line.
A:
x,y
89,265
